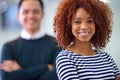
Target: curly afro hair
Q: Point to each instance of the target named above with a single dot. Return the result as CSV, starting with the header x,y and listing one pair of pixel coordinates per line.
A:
x,y
100,12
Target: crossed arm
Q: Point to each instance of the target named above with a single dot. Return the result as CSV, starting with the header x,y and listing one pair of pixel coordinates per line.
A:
x,y
10,65
67,71
117,77
12,70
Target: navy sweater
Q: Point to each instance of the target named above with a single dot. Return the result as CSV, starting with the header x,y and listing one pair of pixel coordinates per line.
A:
x,y
33,56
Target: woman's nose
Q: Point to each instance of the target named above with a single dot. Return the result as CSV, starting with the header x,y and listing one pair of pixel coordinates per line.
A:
x,y
84,26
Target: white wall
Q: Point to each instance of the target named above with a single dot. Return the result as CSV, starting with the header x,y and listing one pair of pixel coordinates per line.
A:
x,y
114,45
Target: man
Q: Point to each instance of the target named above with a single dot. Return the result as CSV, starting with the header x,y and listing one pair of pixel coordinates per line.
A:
x,y
32,55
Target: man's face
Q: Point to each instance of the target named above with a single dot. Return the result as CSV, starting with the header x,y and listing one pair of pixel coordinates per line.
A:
x,y
30,15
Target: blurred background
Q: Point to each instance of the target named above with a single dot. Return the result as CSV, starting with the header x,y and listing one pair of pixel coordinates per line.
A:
x,y
10,28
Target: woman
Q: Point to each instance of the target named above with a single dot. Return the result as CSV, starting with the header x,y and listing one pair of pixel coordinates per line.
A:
x,y
83,28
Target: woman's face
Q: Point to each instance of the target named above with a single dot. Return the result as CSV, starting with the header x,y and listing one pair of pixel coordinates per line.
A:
x,y
83,26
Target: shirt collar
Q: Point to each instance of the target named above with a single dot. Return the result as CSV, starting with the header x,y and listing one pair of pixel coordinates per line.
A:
x,y
37,35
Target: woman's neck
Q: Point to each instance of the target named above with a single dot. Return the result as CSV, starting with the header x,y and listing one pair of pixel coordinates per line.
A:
x,y
84,49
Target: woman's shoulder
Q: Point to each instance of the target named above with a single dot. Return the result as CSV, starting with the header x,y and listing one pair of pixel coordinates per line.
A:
x,y
103,54
63,53
67,55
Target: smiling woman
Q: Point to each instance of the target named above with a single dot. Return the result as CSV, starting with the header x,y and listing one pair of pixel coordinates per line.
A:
x,y
83,28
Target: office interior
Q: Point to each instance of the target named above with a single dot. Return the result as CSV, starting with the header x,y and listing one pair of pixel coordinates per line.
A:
x,y
10,28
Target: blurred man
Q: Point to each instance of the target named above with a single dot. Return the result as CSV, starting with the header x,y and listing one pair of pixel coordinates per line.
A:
x,y
32,55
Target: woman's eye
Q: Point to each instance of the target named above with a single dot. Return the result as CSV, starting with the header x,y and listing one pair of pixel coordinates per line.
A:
x,y
78,22
90,21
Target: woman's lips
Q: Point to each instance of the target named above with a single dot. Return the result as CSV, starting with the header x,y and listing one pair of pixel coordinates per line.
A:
x,y
83,33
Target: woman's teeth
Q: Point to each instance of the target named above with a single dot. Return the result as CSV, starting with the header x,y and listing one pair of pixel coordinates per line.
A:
x,y
84,33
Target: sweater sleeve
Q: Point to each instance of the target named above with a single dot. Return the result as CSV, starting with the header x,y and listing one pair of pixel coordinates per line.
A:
x,y
51,75
65,68
22,74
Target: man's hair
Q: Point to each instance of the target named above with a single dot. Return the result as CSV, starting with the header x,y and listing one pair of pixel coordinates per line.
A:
x,y
40,1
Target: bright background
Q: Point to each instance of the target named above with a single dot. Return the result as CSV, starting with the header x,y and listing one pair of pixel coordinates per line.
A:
x,y
10,28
